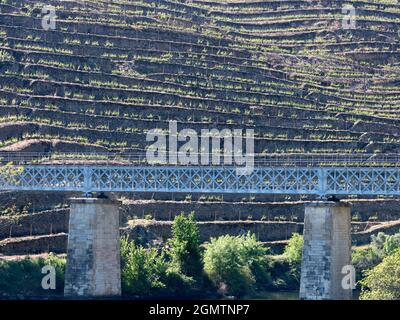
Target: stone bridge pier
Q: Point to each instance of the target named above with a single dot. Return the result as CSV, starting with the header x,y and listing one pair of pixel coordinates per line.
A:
x,y
326,251
93,254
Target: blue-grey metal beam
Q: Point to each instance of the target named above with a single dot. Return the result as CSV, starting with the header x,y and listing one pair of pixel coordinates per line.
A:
x,y
319,181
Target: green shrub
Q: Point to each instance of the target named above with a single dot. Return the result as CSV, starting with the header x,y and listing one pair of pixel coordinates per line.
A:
x,y
148,272
5,56
391,244
383,281
378,242
381,246
236,264
185,247
384,244
363,260
178,284
293,253
24,277
293,250
143,270
59,265
283,277
176,269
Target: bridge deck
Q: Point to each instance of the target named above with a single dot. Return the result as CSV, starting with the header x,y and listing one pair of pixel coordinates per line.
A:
x,y
260,160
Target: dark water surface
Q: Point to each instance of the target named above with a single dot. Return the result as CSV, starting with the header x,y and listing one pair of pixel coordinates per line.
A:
x,y
276,295
285,295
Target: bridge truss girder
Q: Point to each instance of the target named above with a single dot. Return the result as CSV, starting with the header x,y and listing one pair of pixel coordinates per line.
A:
x,y
206,179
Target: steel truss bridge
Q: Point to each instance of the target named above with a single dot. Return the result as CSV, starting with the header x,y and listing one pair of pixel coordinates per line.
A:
x,y
335,175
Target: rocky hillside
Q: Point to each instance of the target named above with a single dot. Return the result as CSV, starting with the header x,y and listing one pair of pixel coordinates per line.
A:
x,y
111,70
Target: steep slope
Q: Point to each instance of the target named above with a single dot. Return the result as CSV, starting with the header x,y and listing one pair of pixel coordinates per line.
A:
x,y
112,70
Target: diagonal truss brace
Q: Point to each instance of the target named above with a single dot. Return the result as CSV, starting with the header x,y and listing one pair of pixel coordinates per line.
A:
x,y
319,181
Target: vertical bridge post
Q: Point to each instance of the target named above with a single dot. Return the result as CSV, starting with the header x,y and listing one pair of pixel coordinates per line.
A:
x,y
93,254
87,179
322,185
326,250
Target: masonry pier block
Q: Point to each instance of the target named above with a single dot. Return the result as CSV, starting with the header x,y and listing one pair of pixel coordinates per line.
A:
x,y
326,250
93,254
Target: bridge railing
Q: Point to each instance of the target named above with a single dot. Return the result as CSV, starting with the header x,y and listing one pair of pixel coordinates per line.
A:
x,y
260,160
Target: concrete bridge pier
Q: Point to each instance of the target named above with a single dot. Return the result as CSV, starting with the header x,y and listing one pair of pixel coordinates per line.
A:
x,y
93,254
326,250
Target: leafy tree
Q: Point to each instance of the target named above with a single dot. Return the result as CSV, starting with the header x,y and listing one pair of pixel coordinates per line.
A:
x,y
384,244
378,242
293,250
391,244
381,246
363,260
185,246
283,274
143,270
293,253
236,264
383,281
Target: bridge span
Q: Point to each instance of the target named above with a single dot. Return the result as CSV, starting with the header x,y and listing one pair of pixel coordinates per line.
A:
x,y
321,175
319,181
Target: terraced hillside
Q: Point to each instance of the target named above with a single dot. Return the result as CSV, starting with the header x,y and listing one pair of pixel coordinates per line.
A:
x,y
112,70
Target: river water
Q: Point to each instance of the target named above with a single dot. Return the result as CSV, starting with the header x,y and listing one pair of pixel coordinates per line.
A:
x,y
276,295
286,295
